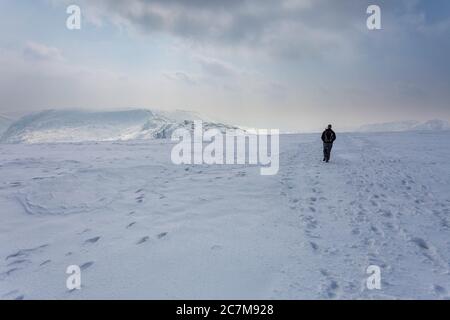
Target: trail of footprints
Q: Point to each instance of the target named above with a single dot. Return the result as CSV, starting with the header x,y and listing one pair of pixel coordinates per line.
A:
x,y
306,207
372,186
18,261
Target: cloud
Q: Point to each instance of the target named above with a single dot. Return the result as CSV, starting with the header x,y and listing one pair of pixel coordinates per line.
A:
x,y
50,81
180,76
284,29
217,68
39,51
282,59
266,26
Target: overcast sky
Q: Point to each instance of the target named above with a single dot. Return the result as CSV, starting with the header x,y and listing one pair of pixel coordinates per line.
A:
x,y
288,64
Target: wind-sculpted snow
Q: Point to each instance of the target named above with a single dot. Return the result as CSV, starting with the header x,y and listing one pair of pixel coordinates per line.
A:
x,y
139,226
80,126
55,196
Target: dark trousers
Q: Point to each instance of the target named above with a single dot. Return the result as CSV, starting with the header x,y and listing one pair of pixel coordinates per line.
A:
x,y
327,146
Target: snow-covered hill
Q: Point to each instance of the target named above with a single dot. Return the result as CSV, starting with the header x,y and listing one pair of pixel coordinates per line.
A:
x,y
431,125
79,126
5,122
389,126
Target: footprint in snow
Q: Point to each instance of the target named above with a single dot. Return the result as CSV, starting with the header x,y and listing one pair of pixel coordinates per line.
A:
x,y
15,184
8,273
18,262
161,235
439,290
86,265
143,240
386,213
314,246
444,223
92,240
84,231
14,294
331,289
420,243
324,272
45,262
25,252
131,224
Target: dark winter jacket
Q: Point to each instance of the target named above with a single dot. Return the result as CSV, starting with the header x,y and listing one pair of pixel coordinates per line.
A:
x,y
328,136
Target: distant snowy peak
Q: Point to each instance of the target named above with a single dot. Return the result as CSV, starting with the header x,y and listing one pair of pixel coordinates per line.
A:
x,y
389,127
78,126
432,125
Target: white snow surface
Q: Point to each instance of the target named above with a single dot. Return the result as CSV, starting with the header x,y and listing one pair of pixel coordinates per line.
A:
x,y
141,227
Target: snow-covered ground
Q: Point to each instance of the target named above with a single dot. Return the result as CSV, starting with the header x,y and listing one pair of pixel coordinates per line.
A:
x,y
141,227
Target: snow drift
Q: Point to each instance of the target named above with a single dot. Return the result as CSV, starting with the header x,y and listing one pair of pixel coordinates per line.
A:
x,y
79,126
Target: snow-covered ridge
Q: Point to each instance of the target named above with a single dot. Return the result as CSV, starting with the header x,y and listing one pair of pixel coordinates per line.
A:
x,y
4,123
54,126
431,125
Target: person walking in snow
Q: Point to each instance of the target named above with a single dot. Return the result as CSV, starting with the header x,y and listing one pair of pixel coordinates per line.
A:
x,y
328,137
